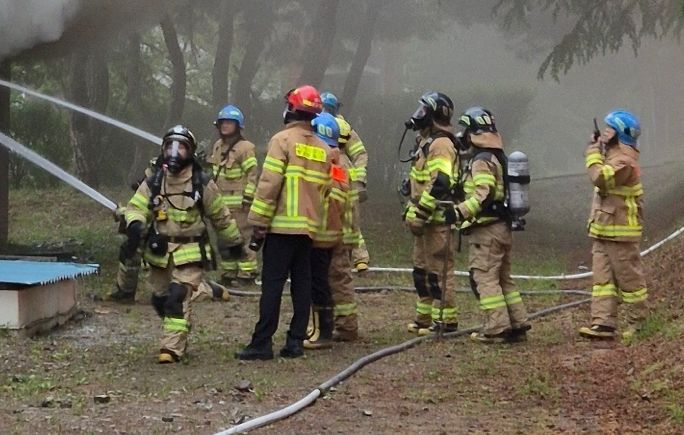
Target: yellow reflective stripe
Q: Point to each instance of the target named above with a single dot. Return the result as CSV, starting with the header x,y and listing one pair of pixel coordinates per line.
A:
x,y
492,302
310,152
484,180
345,309
635,296
186,216
593,159
250,189
188,253
486,219
247,265
355,149
309,175
231,200
294,223
632,211
608,176
420,175
636,190
263,208
248,164
231,232
357,174
338,195
172,324
423,308
135,215
447,315
472,205
229,265
440,164
614,230
513,298
604,290
215,206
292,195
427,201
274,165
139,201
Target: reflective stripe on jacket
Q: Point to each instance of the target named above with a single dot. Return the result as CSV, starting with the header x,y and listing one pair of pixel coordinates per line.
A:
x,y
235,173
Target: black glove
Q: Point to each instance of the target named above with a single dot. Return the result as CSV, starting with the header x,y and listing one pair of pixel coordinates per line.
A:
x,y
452,216
134,235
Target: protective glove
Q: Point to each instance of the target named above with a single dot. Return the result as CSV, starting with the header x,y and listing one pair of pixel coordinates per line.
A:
x,y
247,201
134,236
452,216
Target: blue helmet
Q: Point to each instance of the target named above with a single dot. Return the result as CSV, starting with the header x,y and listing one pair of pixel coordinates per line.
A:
x,y
626,124
330,102
231,113
326,128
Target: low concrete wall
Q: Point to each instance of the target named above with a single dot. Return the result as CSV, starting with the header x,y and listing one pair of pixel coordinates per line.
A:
x,y
39,307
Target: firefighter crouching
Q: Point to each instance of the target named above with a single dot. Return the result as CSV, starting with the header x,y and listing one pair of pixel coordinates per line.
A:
x,y
171,204
615,225
486,221
286,214
234,169
435,164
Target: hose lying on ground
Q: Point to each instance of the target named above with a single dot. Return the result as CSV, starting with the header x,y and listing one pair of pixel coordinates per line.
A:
x,y
357,365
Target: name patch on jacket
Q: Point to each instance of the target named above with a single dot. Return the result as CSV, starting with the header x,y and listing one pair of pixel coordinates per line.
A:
x,y
310,152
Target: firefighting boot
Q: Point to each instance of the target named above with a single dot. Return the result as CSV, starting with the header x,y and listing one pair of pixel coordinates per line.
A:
x,y
519,335
256,352
293,348
361,266
481,337
418,328
121,296
323,329
598,332
167,357
218,292
446,327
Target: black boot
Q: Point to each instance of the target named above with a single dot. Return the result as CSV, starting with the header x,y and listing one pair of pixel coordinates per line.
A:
x,y
293,348
256,352
121,296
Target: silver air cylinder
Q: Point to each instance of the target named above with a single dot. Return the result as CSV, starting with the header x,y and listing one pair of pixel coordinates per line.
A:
x,y
518,187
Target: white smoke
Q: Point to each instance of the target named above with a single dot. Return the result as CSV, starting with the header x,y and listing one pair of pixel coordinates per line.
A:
x,y
25,23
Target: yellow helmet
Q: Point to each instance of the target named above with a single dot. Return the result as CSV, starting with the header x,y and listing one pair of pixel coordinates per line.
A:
x,y
345,130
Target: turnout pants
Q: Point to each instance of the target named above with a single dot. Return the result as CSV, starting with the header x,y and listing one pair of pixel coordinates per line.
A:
x,y
284,256
246,266
173,287
618,277
128,272
342,287
431,253
490,278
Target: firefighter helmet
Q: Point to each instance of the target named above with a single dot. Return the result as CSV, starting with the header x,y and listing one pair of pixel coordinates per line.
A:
x,y
478,120
432,107
174,158
304,99
330,103
626,124
326,128
231,113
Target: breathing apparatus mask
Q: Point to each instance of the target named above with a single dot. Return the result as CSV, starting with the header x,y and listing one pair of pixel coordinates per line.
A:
x,y
176,155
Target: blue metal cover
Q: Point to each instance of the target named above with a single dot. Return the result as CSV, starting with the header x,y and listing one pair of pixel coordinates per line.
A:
x,y
41,272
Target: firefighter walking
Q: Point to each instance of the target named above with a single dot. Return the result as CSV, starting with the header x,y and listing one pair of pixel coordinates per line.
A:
x,y
234,169
615,225
171,204
486,221
287,212
433,171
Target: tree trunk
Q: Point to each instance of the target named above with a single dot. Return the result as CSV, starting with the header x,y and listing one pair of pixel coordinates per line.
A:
x,y
224,47
259,19
178,72
316,56
5,74
134,104
88,87
363,51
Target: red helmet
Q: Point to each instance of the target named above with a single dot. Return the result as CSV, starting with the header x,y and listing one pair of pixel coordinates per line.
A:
x,y
304,99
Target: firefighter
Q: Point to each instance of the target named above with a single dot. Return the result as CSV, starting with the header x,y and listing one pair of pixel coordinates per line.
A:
x,y
615,226
234,168
329,235
128,272
340,272
433,171
171,206
486,222
286,214
358,156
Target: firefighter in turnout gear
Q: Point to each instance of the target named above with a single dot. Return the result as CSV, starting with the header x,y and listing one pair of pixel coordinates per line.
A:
x,y
434,168
234,169
287,211
356,151
172,204
615,225
128,272
486,221
328,236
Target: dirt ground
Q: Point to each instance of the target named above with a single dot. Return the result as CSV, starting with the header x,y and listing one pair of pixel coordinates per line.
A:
x,y
554,383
